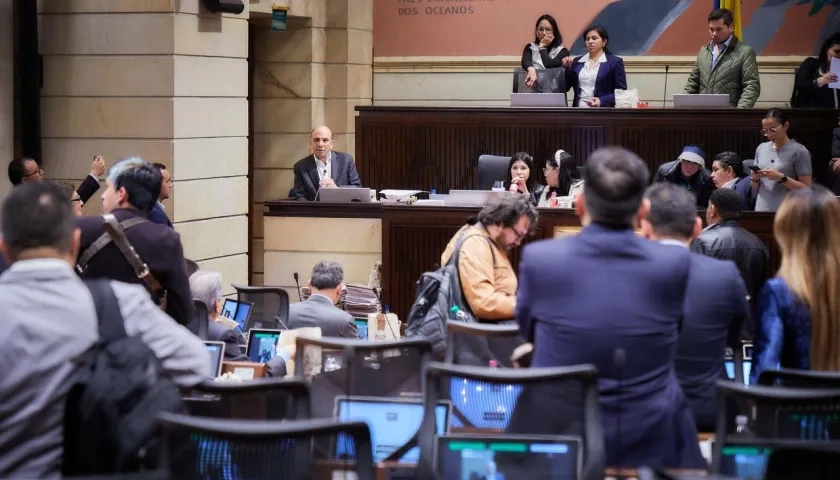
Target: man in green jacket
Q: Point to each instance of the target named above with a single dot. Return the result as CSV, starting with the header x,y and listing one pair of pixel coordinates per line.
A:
x,y
725,65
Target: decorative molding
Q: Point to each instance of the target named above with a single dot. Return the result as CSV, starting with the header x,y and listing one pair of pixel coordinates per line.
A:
x,y
504,64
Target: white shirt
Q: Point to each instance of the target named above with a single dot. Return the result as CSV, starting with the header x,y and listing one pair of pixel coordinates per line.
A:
x,y
730,184
587,77
324,168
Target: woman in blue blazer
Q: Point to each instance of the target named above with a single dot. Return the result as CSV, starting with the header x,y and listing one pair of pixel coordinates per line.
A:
x,y
596,75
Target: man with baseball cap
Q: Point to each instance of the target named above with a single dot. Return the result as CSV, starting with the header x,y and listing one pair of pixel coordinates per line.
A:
x,y
689,171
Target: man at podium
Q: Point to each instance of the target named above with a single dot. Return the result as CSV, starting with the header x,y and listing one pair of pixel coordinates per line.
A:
x,y
325,168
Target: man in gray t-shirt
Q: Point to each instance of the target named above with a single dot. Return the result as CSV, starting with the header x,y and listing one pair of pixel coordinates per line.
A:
x,y
792,160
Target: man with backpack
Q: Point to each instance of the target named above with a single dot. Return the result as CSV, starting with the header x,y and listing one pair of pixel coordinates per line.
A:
x,y
57,329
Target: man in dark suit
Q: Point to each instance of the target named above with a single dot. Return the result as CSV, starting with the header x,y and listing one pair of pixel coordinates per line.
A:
x,y
715,305
610,298
319,309
133,186
25,169
157,214
325,168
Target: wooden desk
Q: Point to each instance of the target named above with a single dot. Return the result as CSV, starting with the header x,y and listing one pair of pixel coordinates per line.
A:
x,y
410,239
438,148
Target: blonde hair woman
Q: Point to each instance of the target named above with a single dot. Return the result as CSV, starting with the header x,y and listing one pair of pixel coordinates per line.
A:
x,y
798,314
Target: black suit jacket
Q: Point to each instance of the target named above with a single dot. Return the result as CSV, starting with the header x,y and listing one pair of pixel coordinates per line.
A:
x,y
343,172
157,215
87,188
158,246
3,264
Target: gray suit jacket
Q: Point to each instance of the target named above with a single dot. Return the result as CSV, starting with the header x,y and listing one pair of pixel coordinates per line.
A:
x,y
342,171
48,319
318,311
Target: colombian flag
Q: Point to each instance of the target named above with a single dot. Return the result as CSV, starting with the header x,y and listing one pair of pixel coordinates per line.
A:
x,y
733,6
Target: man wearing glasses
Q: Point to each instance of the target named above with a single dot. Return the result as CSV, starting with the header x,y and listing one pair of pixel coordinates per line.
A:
x,y
25,169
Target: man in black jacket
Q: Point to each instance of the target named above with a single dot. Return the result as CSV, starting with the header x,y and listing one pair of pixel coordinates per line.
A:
x,y
689,171
25,169
723,238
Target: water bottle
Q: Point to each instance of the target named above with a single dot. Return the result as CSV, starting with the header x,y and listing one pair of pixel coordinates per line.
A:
x,y
741,428
433,192
457,313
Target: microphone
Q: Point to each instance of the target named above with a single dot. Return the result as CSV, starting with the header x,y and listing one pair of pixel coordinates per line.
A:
x,y
619,358
665,89
321,176
298,287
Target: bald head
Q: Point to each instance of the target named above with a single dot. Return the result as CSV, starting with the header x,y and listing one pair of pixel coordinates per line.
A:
x,y
321,142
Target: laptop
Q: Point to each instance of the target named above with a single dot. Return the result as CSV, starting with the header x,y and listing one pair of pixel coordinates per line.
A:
x,y
392,422
237,311
509,457
344,195
544,100
262,344
472,198
217,357
701,100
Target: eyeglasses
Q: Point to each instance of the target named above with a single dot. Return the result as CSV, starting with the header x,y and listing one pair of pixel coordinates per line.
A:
x,y
40,171
519,235
545,29
553,169
768,131
75,199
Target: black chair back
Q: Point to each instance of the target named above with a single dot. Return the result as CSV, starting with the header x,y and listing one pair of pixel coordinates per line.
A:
x,y
263,399
270,306
200,323
478,344
550,80
517,398
800,378
491,168
803,462
198,448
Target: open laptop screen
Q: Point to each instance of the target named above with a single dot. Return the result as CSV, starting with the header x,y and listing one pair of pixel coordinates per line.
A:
x,y
262,344
237,311
392,423
217,352
504,457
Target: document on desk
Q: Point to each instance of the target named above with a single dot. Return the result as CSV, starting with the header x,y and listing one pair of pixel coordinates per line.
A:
x,y
835,69
394,194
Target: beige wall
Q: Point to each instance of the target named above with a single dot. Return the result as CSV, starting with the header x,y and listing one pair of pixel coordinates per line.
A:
x,y
164,80
314,73
6,92
486,81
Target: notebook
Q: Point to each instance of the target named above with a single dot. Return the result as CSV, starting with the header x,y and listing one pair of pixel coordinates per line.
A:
x,y
217,357
392,421
509,457
262,344
237,311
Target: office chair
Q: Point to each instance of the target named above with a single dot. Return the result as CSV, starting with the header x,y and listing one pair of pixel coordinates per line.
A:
x,y
799,378
519,395
777,413
270,305
200,323
338,367
803,462
479,343
264,399
550,80
257,449
491,168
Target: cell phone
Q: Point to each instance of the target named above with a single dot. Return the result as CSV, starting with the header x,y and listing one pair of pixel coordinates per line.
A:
x,y
754,168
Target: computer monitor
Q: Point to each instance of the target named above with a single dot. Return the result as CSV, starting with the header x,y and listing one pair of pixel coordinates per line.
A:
x,y
262,344
509,457
237,311
392,422
484,405
744,461
217,357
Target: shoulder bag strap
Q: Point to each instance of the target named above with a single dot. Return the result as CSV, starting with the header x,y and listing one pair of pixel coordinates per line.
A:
x,y
103,242
108,314
456,252
141,269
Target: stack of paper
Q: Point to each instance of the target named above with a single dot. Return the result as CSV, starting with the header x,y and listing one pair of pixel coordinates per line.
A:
x,y
360,300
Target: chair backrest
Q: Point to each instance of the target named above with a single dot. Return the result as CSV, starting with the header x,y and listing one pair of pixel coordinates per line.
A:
x,y
777,413
200,323
550,80
197,448
803,462
263,399
514,401
479,343
491,168
340,367
799,378
270,306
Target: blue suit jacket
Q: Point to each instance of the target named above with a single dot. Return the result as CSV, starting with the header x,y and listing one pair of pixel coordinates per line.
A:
x,y
716,307
611,76
584,296
744,189
157,215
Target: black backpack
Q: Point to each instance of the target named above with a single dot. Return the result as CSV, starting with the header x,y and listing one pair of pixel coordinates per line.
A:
x,y
437,293
118,390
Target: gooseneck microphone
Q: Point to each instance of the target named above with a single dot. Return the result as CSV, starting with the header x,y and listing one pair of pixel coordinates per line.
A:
x,y
322,175
665,89
298,286
619,358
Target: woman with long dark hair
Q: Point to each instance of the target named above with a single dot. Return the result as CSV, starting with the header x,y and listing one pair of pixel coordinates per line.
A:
x,y
562,181
523,177
810,89
546,51
596,75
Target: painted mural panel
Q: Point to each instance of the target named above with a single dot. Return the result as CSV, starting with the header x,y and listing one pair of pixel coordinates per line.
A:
x,y
406,28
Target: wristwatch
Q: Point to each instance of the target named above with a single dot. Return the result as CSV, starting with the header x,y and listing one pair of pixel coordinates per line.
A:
x,y
783,179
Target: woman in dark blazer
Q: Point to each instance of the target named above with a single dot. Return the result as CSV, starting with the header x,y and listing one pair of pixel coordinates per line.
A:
x,y
810,89
596,75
